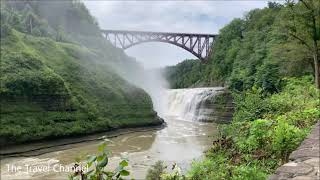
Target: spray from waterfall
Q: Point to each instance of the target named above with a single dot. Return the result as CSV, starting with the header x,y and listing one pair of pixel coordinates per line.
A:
x,y
150,80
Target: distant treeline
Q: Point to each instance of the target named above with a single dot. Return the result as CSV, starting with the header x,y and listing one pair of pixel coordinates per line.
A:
x,y
258,50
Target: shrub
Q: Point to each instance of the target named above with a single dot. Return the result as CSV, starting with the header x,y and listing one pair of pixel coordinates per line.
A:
x,y
286,138
250,105
154,173
258,137
97,164
248,173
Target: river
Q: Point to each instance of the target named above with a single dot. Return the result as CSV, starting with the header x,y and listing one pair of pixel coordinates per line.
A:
x,y
183,140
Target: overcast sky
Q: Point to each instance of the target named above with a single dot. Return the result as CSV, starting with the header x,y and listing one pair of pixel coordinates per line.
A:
x,y
167,16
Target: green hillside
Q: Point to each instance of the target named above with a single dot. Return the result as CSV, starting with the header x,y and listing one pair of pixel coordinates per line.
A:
x,y
188,73
57,81
269,60
255,51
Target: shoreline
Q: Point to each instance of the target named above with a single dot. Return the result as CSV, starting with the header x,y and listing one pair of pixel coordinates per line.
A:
x,y
38,148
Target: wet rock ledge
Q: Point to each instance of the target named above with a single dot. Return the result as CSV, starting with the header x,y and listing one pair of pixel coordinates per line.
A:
x,y
304,162
219,109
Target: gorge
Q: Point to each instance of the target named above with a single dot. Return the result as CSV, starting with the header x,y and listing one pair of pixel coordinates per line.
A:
x,y
64,86
70,95
184,135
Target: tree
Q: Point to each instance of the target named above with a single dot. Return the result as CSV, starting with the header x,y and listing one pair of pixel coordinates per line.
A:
x,y
302,23
30,20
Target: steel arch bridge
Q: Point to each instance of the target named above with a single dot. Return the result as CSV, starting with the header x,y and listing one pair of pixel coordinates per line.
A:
x,y
200,45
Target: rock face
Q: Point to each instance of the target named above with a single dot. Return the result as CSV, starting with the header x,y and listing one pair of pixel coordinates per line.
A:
x,y
304,162
221,106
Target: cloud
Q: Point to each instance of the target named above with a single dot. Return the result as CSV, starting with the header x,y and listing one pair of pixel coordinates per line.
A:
x,y
167,16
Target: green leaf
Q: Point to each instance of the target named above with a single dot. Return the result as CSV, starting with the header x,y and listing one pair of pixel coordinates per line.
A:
x,y
124,173
91,159
100,157
124,163
103,162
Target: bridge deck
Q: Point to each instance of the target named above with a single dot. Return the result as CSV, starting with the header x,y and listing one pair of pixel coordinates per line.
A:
x,y
200,45
157,32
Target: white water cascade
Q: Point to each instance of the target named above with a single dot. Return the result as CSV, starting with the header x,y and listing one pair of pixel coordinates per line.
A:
x,y
189,104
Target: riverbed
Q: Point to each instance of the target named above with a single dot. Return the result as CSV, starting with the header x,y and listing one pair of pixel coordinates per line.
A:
x,y
180,142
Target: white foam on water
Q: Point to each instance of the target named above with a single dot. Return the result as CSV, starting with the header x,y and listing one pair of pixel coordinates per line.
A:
x,y
188,104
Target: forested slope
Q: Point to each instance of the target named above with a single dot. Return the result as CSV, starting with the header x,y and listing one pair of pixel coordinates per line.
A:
x,y
188,73
269,61
256,50
57,77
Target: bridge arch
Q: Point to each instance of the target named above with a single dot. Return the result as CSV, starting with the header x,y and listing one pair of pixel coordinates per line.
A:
x,y
178,45
199,45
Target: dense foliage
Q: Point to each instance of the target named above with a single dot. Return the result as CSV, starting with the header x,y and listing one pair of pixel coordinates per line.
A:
x,y
264,131
185,74
257,50
57,77
269,61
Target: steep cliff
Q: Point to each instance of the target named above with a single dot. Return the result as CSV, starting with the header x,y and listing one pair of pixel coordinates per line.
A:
x,y
57,78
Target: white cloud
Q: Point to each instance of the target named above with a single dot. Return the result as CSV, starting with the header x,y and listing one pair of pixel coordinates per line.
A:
x,y
167,16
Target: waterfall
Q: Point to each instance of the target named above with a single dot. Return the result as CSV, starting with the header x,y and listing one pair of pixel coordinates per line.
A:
x,y
189,104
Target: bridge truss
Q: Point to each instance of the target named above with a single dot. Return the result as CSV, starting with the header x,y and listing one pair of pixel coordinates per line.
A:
x,y
200,45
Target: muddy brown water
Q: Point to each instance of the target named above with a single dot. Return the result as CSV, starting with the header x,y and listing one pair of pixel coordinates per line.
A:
x,y
180,142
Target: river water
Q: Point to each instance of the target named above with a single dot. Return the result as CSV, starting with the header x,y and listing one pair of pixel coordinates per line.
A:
x,y
183,140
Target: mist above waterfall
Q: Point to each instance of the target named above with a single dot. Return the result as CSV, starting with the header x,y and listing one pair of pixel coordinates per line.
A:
x,y
154,83
150,80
